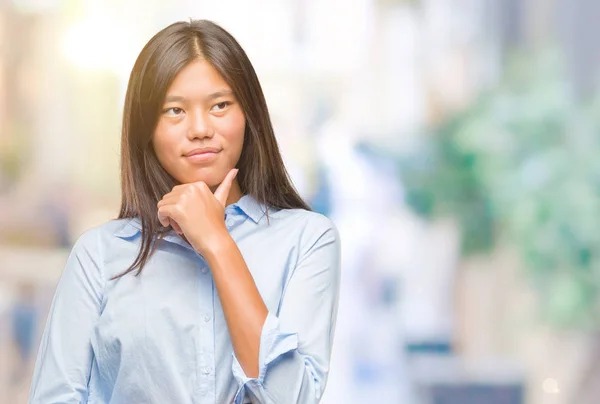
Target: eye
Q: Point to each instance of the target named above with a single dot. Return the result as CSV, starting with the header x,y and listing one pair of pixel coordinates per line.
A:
x,y
221,106
173,111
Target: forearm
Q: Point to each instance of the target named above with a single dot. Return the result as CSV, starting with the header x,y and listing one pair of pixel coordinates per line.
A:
x,y
244,309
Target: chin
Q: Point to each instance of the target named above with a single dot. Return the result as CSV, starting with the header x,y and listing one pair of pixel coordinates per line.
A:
x,y
210,179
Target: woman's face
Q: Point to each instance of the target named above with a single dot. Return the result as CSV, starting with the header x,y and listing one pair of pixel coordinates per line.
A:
x,y
200,130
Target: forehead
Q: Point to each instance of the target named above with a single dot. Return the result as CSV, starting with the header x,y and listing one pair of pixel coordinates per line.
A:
x,y
197,78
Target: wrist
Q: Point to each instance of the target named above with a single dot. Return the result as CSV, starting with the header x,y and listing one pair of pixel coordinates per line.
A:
x,y
218,245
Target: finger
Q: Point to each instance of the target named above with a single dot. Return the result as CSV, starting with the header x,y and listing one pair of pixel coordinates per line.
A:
x,y
168,199
201,185
163,219
176,192
222,191
167,213
175,226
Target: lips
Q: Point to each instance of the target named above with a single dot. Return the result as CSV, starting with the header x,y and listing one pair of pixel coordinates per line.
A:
x,y
202,155
201,151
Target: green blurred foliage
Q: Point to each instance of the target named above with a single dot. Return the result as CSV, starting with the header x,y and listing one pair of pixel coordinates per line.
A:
x,y
522,165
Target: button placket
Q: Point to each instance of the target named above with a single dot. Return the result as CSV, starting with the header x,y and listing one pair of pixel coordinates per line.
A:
x,y
205,363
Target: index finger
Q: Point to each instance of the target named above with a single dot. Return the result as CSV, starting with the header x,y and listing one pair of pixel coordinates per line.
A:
x,y
222,192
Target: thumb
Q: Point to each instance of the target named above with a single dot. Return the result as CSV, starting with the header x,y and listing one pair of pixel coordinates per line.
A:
x,y
222,191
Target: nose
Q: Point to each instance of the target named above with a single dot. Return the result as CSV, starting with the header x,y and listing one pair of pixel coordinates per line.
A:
x,y
199,126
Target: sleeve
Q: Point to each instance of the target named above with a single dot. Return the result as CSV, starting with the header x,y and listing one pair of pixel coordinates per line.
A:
x,y
65,357
295,345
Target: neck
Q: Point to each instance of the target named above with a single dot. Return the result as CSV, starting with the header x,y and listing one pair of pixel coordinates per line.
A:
x,y
235,193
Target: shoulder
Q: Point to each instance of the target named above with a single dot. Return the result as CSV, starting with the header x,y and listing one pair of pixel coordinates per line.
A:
x,y
94,247
86,260
312,227
304,218
100,237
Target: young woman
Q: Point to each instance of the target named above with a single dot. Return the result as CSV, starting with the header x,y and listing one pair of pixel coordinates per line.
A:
x,y
216,284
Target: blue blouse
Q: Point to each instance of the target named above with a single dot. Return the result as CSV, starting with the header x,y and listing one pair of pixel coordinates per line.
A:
x,y
161,337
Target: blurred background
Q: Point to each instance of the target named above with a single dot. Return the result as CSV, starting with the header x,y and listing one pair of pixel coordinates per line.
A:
x,y
455,144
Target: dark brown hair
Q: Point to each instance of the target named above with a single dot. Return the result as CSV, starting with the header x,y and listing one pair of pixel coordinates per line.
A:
x,y
144,182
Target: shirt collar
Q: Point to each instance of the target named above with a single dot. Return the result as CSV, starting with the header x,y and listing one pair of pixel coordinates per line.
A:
x,y
249,206
246,205
130,229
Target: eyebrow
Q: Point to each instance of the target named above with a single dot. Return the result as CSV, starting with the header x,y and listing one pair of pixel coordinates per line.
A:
x,y
218,94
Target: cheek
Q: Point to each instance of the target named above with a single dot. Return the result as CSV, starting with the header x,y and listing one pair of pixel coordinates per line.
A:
x,y
233,130
163,146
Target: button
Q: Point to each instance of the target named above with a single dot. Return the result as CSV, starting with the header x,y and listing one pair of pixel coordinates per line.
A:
x,y
206,318
204,270
230,222
207,370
